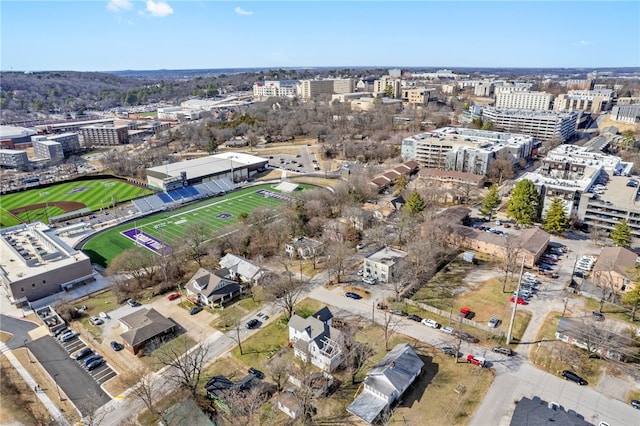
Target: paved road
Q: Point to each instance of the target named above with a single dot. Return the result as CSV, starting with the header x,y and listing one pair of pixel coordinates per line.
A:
x,y
19,328
76,383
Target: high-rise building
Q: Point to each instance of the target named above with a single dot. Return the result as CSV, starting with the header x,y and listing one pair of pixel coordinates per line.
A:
x,y
275,89
594,101
542,125
380,86
14,159
343,85
312,88
524,100
105,134
47,149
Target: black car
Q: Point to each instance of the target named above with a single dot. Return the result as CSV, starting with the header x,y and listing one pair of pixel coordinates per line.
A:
x,y
353,295
95,364
448,350
570,375
635,403
90,359
468,337
398,312
259,374
116,346
252,323
195,310
60,331
597,316
83,354
415,318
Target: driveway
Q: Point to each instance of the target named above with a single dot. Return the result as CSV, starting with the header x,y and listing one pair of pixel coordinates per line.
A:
x,y
76,383
19,328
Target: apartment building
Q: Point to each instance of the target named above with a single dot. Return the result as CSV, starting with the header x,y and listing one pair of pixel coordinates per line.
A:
x,y
385,264
541,125
69,142
343,85
105,134
594,101
14,159
579,84
524,100
312,88
512,87
379,86
466,150
275,89
47,150
626,113
484,89
569,172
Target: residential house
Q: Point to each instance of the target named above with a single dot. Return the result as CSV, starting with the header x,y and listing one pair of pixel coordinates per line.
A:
x,y
220,387
212,288
595,337
317,384
315,340
303,248
144,326
385,264
615,268
536,412
289,403
241,269
360,218
388,178
386,382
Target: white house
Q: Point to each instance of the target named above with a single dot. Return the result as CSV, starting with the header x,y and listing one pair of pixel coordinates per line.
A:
x,y
386,382
302,247
314,340
212,288
383,265
242,269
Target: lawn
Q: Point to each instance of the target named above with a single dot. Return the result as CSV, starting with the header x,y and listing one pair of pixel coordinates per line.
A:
x,y
554,356
168,227
181,343
440,291
93,194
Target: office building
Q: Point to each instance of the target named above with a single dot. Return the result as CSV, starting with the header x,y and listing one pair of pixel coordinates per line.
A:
x,y
14,159
594,101
105,135
343,85
524,100
541,125
37,264
466,150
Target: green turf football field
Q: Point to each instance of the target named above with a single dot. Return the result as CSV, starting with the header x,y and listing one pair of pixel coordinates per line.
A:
x,y
95,194
168,227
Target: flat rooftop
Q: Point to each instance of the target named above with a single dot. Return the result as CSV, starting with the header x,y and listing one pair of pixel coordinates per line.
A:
x,y
387,255
205,166
33,250
620,195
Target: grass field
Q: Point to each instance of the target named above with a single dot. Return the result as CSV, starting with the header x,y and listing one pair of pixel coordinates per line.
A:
x,y
168,227
42,203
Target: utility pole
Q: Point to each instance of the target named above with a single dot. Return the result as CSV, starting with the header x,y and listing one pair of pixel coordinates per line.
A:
x,y
515,304
27,349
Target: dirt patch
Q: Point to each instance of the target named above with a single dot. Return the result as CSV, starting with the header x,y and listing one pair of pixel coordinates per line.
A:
x,y
67,206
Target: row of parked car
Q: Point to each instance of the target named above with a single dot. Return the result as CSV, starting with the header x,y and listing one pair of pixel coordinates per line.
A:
x,y
89,359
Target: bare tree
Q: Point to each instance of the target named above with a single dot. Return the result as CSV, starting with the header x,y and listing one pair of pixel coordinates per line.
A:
x,y
136,262
195,238
605,282
338,256
284,290
279,369
389,327
355,354
510,260
243,405
185,363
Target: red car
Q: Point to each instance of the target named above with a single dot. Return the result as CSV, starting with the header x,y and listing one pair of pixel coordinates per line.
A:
x,y
475,360
173,296
521,301
465,312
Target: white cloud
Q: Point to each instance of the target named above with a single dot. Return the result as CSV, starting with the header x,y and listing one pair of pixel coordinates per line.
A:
x,y
117,5
584,43
241,11
159,9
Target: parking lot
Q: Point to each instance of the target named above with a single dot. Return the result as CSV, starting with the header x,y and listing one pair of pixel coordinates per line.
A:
x,y
100,374
81,387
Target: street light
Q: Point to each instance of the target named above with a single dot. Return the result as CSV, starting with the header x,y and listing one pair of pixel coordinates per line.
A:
x,y
27,349
55,379
45,194
515,304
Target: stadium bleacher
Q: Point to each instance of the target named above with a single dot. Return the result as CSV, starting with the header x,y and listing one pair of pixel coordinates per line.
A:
x,y
165,197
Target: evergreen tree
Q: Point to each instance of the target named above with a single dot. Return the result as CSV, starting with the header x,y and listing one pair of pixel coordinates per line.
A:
x,y
524,204
621,234
490,203
415,203
556,219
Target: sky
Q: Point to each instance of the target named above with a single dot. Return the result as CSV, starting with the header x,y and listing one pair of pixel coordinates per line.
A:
x,y
113,35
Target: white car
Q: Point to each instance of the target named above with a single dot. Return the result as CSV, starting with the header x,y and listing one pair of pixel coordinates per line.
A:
x,y
369,280
360,272
96,321
447,330
431,323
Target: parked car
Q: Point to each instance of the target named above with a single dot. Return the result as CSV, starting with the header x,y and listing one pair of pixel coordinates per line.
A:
x,y
430,323
399,312
521,301
448,350
173,296
503,350
382,306
466,312
95,364
132,303
369,280
253,323
90,359
415,318
352,295
195,310
60,331
360,272
83,354
103,315
468,337
570,375
96,321
259,374
360,246
447,330
69,336
116,346
597,316
635,403
476,360
494,322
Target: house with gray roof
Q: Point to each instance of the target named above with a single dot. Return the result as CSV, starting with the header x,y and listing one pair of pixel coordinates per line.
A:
x,y
241,269
144,326
535,412
386,382
315,340
212,288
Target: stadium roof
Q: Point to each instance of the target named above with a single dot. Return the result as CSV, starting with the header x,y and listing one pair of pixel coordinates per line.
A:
x,y
12,132
205,166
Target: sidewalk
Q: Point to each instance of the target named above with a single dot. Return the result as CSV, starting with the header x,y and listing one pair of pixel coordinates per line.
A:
x,y
56,414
